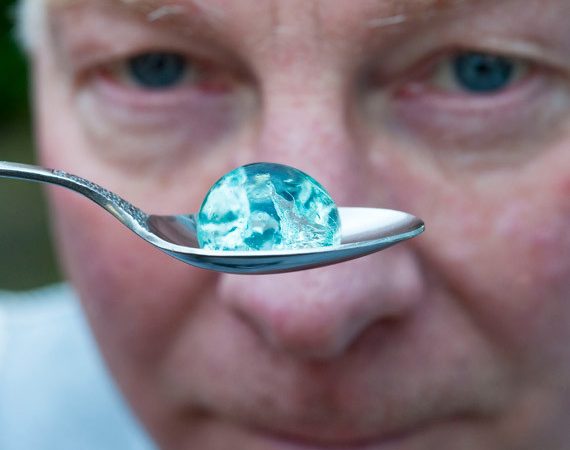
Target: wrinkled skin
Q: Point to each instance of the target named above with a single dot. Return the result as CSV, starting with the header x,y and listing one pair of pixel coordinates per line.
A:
x,y
457,340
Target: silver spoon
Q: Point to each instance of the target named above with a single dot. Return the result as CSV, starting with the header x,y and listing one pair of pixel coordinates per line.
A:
x,y
363,230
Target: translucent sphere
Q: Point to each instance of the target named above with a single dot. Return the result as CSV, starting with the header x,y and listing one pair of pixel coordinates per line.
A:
x,y
266,206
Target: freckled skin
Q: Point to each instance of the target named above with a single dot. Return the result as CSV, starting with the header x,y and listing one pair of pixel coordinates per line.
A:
x,y
456,340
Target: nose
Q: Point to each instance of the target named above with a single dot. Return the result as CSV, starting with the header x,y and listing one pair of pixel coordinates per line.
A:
x,y
321,313
305,123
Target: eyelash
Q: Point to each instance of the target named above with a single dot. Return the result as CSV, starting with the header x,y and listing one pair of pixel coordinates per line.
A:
x,y
428,87
443,76
198,74
435,76
430,105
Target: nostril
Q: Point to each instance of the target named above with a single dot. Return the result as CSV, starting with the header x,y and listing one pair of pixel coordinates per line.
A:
x,y
306,335
321,313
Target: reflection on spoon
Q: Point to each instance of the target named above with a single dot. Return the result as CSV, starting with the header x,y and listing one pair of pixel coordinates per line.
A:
x,y
364,230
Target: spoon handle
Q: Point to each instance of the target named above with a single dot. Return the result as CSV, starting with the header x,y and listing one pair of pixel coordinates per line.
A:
x,y
130,215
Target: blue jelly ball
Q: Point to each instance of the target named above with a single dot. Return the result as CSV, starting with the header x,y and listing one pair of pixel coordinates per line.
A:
x,y
267,206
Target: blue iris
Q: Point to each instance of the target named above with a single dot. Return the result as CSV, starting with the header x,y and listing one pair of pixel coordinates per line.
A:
x,y
157,70
482,73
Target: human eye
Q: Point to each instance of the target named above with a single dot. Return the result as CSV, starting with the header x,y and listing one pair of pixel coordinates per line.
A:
x,y
477,74
475,77
479,103
160,101
157,70
150,91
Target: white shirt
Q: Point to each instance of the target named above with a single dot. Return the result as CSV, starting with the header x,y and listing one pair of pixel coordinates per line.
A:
x,y
55,393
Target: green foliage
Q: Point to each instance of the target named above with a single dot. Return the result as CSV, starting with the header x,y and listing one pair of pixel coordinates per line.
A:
x,y
13,73
26,255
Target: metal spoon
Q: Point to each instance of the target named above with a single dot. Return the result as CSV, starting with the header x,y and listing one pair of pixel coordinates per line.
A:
x,y
363,230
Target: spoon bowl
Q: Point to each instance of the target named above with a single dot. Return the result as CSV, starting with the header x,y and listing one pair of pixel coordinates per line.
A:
x,y
363,230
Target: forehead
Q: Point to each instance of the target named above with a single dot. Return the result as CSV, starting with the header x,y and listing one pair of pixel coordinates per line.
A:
x,y
263,23
383,7
431,3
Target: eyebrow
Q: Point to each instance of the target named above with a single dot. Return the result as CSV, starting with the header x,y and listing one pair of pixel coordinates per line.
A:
x,y
185,16
153,9
419,9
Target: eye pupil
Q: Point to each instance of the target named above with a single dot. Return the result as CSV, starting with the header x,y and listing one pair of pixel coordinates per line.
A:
x,y
157,70
477,72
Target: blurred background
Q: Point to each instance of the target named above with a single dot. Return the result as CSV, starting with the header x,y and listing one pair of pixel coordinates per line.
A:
x,y
26,255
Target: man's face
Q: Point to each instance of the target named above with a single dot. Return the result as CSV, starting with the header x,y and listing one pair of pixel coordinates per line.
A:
x,y
455,111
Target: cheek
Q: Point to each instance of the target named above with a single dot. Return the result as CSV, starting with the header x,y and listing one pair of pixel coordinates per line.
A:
x,y
496,244
539,236
135,296
502,252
